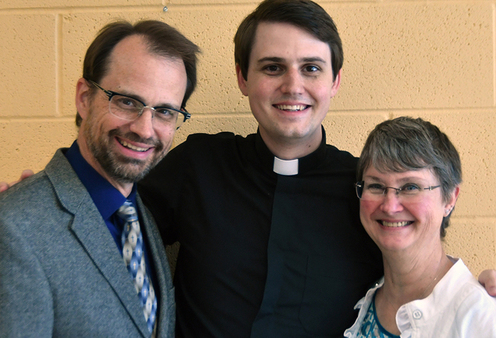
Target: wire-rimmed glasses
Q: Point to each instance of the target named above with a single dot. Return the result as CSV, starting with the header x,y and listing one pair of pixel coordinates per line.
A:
x,y
377,191
130,108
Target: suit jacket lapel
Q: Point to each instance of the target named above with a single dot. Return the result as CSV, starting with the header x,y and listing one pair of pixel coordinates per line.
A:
x,y
92,232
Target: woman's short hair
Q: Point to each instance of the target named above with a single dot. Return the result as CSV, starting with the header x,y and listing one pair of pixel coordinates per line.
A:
x,y
404,144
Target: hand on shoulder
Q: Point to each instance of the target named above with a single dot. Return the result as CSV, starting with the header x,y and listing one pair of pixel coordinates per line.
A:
x,y
25,174
488,279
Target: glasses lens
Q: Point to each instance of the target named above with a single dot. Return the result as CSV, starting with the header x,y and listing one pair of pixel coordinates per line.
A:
x,y
372,191
375,192
169,116
125,107
129,109
410,189
180,120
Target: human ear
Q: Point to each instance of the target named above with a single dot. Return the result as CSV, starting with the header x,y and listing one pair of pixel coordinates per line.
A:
x,y
336,84
83,94
241,81
452,201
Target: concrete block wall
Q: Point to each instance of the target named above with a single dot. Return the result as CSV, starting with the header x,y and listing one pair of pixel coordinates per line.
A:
x,y
433,59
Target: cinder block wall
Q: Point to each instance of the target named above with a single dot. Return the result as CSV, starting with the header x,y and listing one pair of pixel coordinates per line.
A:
x,y
433,59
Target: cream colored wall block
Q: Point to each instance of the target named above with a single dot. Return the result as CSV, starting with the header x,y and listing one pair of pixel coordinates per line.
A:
x,y
27,67
416,54
473,240
218,90
216,2
30,144
348,131
27,4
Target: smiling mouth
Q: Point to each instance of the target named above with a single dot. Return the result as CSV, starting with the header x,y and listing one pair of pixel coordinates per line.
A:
x,y
130,146
288,107
394,224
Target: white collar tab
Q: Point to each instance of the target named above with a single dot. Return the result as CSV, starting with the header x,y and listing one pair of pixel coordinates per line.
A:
x,y
285,167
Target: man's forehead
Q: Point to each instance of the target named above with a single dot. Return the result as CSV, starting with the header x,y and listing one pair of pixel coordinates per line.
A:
x,y
274,40
126,49
135,71
266,28
133,52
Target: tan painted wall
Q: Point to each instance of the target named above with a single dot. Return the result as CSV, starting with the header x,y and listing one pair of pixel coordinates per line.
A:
x,y
434,59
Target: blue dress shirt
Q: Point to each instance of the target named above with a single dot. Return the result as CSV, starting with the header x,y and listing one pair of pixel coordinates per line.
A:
x,y
107,199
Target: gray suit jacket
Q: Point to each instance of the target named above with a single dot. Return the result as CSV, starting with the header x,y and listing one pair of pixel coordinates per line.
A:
x,y
61,273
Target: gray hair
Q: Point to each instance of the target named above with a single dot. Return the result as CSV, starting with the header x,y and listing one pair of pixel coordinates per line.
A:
x,y
404,144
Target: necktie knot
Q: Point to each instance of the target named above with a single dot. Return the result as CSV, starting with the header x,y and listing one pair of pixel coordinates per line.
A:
x,y
127,211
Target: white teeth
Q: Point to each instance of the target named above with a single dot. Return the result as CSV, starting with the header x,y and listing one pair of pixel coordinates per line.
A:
x,y
394,224
291,107
130,146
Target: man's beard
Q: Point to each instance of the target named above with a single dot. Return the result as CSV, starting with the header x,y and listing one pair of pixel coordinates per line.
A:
x,y
118,167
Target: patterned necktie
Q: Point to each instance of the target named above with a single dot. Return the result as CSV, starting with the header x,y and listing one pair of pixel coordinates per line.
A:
x,y
132,252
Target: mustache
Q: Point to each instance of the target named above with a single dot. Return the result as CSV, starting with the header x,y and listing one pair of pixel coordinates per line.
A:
x,y
152,142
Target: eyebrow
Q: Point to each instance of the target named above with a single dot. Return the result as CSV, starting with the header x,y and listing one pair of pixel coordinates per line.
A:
x,y
279,59
401,180
139,98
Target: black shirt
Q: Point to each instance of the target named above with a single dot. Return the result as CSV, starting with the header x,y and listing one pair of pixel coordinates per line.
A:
x,y
261,255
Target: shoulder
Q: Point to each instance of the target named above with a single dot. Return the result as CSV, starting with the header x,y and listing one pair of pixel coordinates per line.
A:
x,y
472,297
26,212
201,141
222,136
207,147
39,194
340,159
474,307
23,192
476,312
32,205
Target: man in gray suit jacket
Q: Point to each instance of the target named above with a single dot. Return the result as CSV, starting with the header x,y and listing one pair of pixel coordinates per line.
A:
x,y
62,231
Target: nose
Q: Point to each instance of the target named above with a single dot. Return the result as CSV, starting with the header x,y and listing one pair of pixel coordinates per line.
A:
x,y
292,82
391,203
143,125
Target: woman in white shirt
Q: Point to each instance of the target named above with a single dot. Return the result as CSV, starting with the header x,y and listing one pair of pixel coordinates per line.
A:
x,y
409,176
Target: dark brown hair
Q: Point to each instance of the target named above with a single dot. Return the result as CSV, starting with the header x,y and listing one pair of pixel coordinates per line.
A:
x,y
162,39
304,14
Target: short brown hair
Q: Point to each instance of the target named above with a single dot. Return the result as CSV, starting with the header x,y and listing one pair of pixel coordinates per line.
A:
x,y
163,40
304,14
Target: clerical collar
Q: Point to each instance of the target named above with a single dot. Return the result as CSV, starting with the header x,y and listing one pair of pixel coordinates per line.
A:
x,y
285,167
301,166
